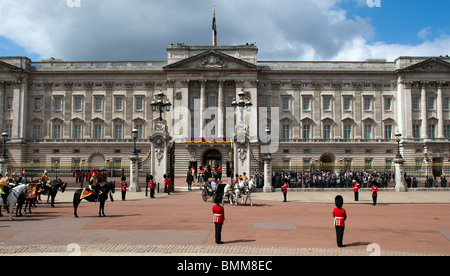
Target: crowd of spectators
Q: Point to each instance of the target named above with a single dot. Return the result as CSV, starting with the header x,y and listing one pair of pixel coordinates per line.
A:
x,y
343,179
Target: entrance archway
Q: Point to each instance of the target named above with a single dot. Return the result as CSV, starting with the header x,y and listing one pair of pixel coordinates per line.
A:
x,y
212,158
327,163
98,162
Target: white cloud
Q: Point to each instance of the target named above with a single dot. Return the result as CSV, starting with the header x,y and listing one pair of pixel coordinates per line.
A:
x,y
424,33
142,29
360,49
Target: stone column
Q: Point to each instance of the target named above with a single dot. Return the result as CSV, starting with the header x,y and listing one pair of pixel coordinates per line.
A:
x,y
268,188
358,134
68,103
2,105
220,111
109,107
134,173
202,107
440,111
399,175
423,111
17,111
160,140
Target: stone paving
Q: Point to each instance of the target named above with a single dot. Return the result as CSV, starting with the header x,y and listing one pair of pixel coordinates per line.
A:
x,y
180,225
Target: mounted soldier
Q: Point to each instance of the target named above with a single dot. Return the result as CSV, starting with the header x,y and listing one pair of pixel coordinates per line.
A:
x,y
44,179
93,182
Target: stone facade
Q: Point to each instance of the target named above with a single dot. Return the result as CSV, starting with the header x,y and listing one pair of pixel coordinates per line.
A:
x,y
329,114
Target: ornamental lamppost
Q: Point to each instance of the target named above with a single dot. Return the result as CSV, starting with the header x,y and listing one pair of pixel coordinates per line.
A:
x,y
5,138
398,136
135,134
160,141
160,105
268,188
134,158
4,158
398,163
241,104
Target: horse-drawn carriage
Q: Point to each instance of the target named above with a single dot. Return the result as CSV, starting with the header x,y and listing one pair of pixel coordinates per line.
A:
x,y
208,191
242,189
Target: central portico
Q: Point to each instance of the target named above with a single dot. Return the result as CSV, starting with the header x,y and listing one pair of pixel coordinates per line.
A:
x,y
204,81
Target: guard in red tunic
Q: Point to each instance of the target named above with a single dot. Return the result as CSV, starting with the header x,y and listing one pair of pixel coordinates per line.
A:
x,y
340,216
167,184
123,188
374,192
356,188
219,218
284,190
151,185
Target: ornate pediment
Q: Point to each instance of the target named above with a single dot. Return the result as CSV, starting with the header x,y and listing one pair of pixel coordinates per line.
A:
x,y
8,67
211,60
430,65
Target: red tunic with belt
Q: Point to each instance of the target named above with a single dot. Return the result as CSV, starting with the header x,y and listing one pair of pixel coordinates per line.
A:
x,y
285,188
357,187
167,182
374,190
340,215
151,184
219,214
123,186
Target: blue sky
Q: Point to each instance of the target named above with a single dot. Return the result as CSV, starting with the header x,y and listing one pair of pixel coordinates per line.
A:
x,y
400,21
282,29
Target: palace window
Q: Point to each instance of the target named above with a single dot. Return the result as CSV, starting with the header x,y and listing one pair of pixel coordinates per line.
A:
x,y
37,104
140,131
118,132
326,131
56,131
97,131
430,103
97,103
306,131
416,131
368,132
367,104
347,132
415,103
139,103
286,104
388,132
432,131
37,131
347,103
286,132
76,132
77,103
445,103
212,101
306,103
58,104
9,103
387,104
447,131
118,103
327,103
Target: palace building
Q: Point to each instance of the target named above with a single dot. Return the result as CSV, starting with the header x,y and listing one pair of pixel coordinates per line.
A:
x,y
327,115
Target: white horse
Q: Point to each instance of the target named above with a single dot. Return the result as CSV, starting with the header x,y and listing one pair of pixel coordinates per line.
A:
x,y
251,186
13,197
228,193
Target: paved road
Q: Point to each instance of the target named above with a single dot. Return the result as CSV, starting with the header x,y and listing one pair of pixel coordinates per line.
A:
x,y
413,223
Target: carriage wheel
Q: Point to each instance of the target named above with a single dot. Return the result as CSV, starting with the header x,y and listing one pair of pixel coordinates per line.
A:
x,y
204,195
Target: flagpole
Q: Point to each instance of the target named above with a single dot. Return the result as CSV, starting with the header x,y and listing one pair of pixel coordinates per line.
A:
x,y
214,27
